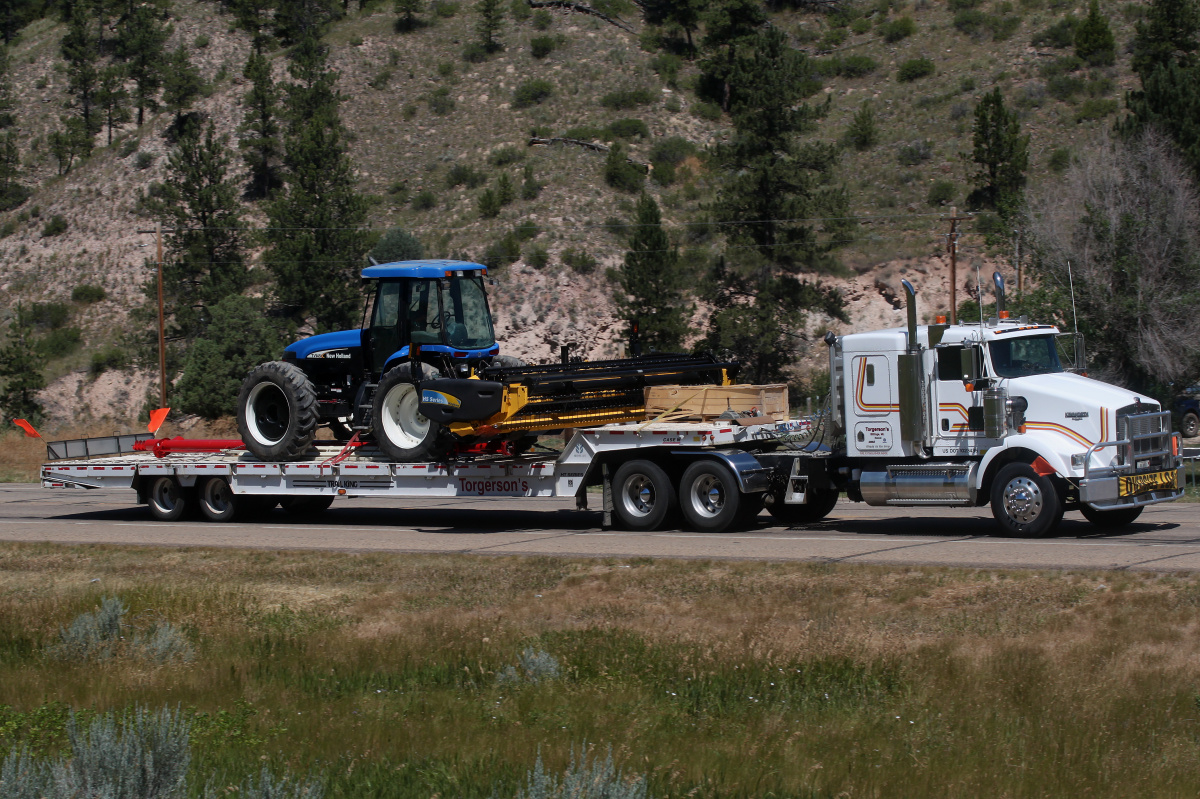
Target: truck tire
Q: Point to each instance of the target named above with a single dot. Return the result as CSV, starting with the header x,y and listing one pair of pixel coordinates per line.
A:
x,y
1189,425
819,504
216,500
1111,519
168,501
709,497
401,431
642,495
305,506
1025,503
277,412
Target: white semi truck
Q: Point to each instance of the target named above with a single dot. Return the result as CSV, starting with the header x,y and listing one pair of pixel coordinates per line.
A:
x,y
929,415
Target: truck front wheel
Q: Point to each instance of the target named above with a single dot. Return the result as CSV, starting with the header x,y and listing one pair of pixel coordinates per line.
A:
x,y
401,430
1110,519
818,506
1025,503
710,497
277,412
642,495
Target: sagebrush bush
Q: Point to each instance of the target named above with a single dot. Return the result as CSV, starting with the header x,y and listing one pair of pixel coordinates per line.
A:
x,y
537,256
532,92
503,156
541,46
534,666
600,779
856,66
915,69
93,635
269,787
898,29
424,200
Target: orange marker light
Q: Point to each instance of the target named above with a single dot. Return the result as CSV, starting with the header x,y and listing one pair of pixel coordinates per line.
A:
x,y
1004,314
941,319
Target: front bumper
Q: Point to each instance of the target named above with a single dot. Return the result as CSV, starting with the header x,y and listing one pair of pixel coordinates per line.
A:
x,y
1146,440
1104,493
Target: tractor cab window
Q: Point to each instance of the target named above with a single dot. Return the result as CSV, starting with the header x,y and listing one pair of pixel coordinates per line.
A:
x,y
424,313
1020,357
385,329
468,323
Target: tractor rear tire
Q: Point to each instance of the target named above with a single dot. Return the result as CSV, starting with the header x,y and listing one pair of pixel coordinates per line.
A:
x,y
402,432
277,412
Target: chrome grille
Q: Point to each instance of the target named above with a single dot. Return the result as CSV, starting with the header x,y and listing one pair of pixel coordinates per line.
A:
x,y
1148,432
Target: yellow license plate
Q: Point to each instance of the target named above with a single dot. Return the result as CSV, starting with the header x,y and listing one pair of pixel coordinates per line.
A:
x,y
1141,483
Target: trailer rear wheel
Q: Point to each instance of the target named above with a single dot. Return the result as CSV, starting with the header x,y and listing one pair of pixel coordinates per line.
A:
x,y
304,506
818,506
709,497
1025,503
642,495
168,501
401,430
277,412
1111,519
216,500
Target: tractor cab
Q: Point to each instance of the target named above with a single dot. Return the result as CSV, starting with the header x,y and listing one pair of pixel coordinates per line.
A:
x,y
439,306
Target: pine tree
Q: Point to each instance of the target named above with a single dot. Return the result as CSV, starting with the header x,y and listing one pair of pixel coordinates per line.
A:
x,y
198,204
81,51
20,372
1002,154
769,182
1169,101
314,235
112,99
728,26
12,193
70,143
651,285
1094,40
682,13
408,10
491,22
863,134
259,132
255,18
505,193
182,83
1169,32
141,43
7,105
297,20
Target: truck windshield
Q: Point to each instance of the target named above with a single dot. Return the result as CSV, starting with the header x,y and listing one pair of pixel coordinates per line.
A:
x,y
468,323
1019,357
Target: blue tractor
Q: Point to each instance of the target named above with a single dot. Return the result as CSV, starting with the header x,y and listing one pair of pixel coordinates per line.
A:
x,y
424,375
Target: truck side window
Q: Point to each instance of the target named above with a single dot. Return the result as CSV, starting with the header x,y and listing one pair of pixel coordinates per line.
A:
x,y
949,363
870,374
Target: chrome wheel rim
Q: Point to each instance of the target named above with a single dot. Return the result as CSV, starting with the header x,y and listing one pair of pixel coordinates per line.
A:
x,y
638,495
708,495
1023,500
403,424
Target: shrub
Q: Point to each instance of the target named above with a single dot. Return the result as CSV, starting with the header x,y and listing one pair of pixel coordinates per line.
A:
x,y
1094,41
898,29
268,787
1065,87
915,69
710,112
584,133
530,188
440,101
60,342
620,174
526,231
672,150
397,245
962,5
913,153
541,46
520,10
56,226
1095,108
1061,66
48,315
970,21
863,134
532,92
1060,35
504,252
537,256
578,260
833,39
542,19
667,65
445,9
534,667
503,156
1059,160
200,41
107,359
673,105
1003,26
628,129
144,160
8,228
464,175
504,190
856,66
860,26
445,70
474,53
489,204
627,98
599,780
424,200
941,192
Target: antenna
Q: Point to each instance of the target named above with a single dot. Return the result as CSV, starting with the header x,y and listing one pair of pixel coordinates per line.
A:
x,y
373,261
979,295
1074,316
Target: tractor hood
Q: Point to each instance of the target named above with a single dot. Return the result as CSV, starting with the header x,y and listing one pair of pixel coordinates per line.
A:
x,y
324,345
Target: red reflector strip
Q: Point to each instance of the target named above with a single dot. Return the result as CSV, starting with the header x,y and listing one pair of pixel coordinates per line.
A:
x,y
418,467
372,467
539,466
617,432
726,430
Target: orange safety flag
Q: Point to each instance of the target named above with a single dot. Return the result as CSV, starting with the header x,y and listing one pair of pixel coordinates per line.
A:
x,y
27,427
157,417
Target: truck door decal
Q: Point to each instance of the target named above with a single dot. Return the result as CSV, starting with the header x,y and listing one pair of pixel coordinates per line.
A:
x,y
956,408
867,399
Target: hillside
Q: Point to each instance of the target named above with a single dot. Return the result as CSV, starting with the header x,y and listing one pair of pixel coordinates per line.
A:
x,y
416,110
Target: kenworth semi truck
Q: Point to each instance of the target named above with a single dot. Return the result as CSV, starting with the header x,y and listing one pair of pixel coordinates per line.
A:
x,y
926,415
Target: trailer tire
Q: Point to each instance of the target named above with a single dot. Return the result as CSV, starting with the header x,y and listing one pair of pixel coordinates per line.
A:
x,y
819,504
1025,503
216,500
168,501
709,497
401,431
1111,519
277,412
305,506
642,495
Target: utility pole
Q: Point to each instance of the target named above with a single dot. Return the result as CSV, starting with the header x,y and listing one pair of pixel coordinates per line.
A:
x,y
952,248
162,338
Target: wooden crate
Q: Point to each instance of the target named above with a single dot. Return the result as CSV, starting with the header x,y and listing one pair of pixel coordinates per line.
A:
x,y
702,403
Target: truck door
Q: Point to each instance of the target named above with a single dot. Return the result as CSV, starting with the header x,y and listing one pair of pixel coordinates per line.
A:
x,y
876,428
955,419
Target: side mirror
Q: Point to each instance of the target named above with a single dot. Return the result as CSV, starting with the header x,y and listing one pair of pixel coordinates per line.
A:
x,y
972,364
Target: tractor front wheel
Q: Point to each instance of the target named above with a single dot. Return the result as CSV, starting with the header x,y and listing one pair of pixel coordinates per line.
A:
x,y
402,432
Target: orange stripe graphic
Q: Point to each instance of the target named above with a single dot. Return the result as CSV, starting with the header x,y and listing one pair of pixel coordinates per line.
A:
x,y
866,407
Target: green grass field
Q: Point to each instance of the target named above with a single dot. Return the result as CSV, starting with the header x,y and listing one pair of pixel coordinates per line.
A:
x,y
386,675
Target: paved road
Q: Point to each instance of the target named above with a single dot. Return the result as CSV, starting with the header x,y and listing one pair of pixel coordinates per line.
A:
x,y
1166,538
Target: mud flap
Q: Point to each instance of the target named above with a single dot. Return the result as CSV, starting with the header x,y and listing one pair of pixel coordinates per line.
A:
x,y
606,522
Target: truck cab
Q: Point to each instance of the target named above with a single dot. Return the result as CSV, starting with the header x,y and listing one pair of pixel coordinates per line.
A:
x,y
968,414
